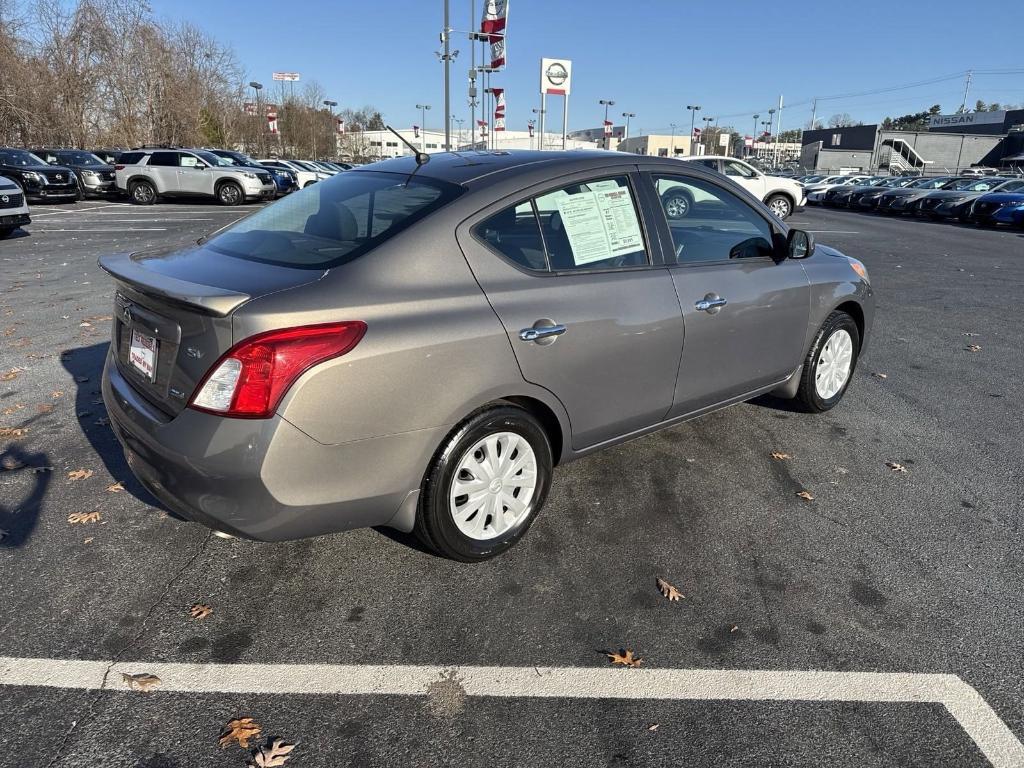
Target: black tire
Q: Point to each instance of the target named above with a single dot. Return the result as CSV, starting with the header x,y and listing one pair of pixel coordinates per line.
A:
x,y
435,524
677,204
142,193
780,205
807,394
230,193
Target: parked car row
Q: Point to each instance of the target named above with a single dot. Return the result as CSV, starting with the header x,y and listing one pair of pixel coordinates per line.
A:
x,y
984,201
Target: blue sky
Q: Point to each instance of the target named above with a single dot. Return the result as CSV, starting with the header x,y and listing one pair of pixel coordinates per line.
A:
x,y
651,56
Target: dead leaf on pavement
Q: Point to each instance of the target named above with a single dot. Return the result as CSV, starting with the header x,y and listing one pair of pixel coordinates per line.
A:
x,y
239,730
670,592
625,658
10,375
653,727
972,334
12,409
880,375
273,756
780,456
144,681
115,487
83,517
44,408
79,474
734,628
88,540
200,611
806,495
13,431
973,348
895,466
56,393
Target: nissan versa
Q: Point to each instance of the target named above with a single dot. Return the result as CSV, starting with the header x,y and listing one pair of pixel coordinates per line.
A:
x,y
416,344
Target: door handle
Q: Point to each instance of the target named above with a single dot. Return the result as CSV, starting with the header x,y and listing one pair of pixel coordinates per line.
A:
x,y
541,332
710,304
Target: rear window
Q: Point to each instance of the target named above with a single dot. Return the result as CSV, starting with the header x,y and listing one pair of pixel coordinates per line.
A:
x,y
334,221
130,158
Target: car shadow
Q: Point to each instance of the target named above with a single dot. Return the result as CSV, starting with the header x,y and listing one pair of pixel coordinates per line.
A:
x,y
19,516
777,404
17,234
85,364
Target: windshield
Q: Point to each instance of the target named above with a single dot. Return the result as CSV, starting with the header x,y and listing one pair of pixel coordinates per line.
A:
x,y
79,158
19,157
213,159
305,166
334,221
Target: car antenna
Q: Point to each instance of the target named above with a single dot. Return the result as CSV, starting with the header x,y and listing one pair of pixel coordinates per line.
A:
x,y
422,158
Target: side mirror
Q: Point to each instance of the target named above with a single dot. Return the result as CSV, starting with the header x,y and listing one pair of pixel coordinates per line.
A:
x,y
799,244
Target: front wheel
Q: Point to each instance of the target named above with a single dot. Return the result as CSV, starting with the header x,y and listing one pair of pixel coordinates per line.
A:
x,y
677,205
779,205
486,485
829,365
230,193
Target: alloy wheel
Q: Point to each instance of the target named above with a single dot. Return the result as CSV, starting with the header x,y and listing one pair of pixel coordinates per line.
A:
x,y
677,207
780,207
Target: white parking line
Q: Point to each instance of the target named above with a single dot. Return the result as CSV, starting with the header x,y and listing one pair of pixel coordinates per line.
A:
x,y
139,220
995,740
831,232
54,212
122,229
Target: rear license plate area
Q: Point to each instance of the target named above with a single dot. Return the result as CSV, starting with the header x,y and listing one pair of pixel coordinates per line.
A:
x,y
142,354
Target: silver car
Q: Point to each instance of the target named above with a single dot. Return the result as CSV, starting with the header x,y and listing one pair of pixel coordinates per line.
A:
x,y
417,346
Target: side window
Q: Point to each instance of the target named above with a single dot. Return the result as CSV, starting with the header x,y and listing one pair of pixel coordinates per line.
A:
x,y
733,168
164,158
592,225
189,161
709,223
515,233
712,164
129,158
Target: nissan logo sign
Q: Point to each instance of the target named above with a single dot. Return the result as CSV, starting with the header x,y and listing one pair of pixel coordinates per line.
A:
x,y
4,199
60,177
556,74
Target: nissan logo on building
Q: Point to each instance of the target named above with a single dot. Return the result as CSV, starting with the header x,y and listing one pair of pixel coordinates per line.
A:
x,y
556,74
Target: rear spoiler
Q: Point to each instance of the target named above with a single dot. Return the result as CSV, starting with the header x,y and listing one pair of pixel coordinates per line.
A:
x,y
205,298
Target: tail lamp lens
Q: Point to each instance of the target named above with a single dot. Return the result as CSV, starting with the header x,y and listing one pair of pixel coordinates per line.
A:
x,y
250,379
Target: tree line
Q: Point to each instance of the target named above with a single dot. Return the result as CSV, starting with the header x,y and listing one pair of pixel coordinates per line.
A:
x,y
96,74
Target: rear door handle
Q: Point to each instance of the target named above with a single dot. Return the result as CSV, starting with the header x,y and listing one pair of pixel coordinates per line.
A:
x,y
710,303
541,332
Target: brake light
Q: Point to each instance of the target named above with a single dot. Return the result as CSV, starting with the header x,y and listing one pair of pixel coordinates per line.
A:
x,y
250,379
118,167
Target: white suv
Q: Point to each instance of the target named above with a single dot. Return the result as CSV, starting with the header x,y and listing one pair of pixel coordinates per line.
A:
x,y
303,175
13,208
146,174
781,195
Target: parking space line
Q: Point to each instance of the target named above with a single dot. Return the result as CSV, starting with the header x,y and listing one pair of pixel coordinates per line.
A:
x,y
54,212
122,229
995,740
831,232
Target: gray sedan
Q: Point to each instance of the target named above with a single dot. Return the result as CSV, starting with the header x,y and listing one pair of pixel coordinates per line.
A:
x,y
418,345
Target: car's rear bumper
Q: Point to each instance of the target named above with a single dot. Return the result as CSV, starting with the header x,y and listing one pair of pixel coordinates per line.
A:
x,y
263,478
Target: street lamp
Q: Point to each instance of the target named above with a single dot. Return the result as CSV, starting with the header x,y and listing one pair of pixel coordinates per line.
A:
x,y
256,88
330,108
694,109
672,151
540,136
771,123
607,134
423,125
704,135
460,121
628,115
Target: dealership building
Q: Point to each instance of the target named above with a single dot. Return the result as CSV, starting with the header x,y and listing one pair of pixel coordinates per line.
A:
x,y
949,144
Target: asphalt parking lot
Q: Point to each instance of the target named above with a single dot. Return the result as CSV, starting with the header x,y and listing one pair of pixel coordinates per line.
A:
x,y
877,625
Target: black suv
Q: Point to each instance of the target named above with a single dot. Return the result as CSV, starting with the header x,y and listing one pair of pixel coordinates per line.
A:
x,y
39,180
95,177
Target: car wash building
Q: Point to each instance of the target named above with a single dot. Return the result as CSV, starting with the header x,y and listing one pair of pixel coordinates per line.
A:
x,y
949,144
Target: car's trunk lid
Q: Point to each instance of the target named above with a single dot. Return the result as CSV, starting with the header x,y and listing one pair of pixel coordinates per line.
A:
x,y
172,314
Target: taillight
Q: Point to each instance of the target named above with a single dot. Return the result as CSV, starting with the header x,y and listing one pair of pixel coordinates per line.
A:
x,y
118,167
250,379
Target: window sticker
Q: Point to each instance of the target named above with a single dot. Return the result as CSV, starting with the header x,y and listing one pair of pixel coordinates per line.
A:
x,y
600,225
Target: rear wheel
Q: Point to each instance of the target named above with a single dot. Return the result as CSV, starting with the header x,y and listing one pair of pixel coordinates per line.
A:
x,y
779,205
486,485
230,193
677,205
829,365
142,193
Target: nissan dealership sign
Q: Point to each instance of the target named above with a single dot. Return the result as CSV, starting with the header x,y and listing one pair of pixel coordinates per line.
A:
x,y
967,118
555,76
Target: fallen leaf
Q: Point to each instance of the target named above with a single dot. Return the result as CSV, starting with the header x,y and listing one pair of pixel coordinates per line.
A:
x,y
12,409
625,658
79,474
44,408
10,375
115,487
780,456
734,628
88,540
56,393
806,495
85,324
880,375
895,467
144,681
670,592
13,431
200,611
973,348
653,727
972,334
271,757
239,730
83,517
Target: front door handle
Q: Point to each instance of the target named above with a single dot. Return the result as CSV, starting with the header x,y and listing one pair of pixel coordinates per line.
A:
x,y
710,303
540,332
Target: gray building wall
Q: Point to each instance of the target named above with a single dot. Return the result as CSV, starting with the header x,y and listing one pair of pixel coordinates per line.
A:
x,y
946,151
817,157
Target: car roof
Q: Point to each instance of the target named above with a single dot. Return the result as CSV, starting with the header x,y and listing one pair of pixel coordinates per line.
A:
x,y
469,167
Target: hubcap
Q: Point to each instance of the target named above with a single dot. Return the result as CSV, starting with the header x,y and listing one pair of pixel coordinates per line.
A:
x,y
834,364
780,208
677,207
493,487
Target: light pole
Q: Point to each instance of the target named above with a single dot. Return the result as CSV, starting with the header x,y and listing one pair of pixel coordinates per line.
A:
x,y
764,129
704,136
754,137
540,136
694,109
531,124
628,116
423,125
672,150
460,121
334,128
607,133
256,88
771,122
